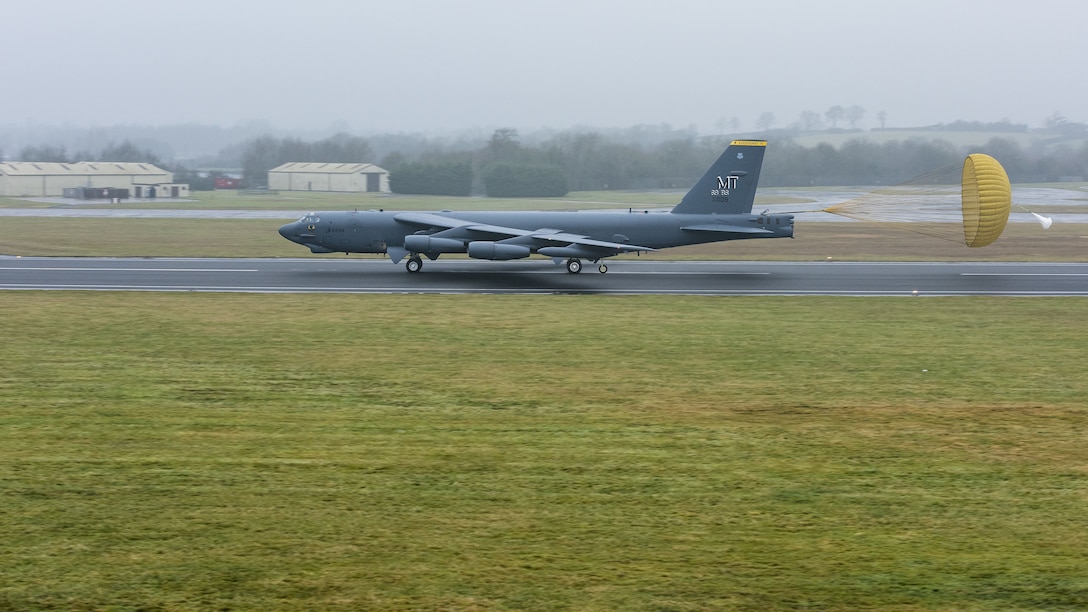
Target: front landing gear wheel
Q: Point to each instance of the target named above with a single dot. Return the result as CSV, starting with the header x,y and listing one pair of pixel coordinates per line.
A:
x,y
414,264
574,266
602,268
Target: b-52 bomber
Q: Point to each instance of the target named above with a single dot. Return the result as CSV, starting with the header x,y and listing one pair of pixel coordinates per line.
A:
x,y
717,208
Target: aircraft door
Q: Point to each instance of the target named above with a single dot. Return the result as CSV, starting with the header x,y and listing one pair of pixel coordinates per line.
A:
x,y
365,237
336,233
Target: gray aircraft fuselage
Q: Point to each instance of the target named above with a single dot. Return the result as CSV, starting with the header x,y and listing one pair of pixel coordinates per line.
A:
x,y
373,231
717,208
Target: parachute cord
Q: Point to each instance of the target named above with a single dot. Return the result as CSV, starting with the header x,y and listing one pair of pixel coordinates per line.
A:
x,y
1044,221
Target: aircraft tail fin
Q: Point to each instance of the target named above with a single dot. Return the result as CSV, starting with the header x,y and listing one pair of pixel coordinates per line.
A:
x,y
729,186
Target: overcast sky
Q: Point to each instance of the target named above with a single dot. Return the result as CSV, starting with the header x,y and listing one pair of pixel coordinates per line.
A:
x,y
425,65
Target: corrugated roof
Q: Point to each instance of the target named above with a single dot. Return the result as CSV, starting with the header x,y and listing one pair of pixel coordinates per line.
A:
x,y
329,168
78,168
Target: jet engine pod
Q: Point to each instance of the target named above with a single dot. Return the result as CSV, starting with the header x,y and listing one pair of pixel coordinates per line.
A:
x,y
483,249
428,244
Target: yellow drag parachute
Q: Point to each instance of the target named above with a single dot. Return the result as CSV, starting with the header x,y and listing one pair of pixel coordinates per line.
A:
x,y
986,198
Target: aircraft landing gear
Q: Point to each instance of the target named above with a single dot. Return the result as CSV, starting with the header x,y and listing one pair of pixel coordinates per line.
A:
x,y
574,266
414,264
602,268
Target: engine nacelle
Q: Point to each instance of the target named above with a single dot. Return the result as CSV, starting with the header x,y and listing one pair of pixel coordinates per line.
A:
x,y
416,243
482,249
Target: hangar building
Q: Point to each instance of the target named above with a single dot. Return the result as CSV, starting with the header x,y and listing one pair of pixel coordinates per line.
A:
x,y
43,179
303,176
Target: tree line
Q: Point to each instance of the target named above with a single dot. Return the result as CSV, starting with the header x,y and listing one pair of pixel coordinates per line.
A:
x,y
576,161
595,160
864,162
124,152
588,161
265,153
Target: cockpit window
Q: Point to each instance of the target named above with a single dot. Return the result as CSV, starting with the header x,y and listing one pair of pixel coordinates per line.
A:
x,y
310,218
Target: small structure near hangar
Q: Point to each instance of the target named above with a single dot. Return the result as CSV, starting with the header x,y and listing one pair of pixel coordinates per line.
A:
x,y
96,193
48,179
306,176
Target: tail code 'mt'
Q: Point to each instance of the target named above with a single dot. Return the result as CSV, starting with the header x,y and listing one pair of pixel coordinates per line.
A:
x,y
729,186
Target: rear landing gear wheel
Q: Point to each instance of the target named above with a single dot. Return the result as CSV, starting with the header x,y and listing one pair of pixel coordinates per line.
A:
x,y
602,268
574,266
415,264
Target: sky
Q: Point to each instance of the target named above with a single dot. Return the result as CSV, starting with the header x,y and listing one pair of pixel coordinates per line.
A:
x,y
439,66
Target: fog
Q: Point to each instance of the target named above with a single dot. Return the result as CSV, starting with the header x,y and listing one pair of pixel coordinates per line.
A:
x,y
437,66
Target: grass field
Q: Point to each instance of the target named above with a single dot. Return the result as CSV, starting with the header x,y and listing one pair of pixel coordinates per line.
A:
x,y
173,451
233,237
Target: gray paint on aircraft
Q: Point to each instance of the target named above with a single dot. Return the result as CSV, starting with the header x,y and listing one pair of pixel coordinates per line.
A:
x,y
717,208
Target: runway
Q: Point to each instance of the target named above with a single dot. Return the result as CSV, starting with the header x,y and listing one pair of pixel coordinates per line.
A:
x,y
540,276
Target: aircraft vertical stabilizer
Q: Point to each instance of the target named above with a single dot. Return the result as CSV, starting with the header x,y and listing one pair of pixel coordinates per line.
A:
x,y
729,187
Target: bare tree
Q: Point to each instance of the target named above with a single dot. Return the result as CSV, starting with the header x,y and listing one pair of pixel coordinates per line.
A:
x,y
882,117
811,120
128,152
854,115
1055,120
834,115
504,145
45,153
723,124
765,121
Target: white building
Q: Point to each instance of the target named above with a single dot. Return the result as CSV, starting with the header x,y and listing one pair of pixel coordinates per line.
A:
x,y
301,176
41,179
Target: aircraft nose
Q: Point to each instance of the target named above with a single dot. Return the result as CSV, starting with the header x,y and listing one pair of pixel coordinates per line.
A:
x,y
288,231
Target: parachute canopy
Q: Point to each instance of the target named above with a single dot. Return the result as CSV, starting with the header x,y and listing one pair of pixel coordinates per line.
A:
x,y
986,198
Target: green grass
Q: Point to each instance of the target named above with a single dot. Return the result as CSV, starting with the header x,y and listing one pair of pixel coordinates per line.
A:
x,y
172,451
129,237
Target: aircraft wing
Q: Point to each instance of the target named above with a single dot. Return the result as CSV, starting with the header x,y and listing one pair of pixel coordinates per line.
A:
x,y
565,238
726,229
461,229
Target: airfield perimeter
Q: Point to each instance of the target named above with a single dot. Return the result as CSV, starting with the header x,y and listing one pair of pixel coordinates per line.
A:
x,y
191,450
